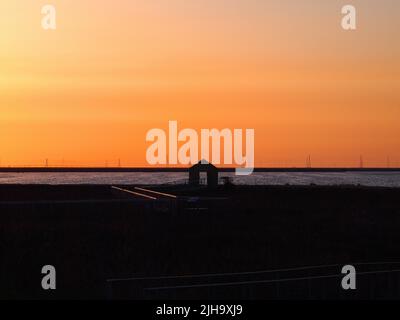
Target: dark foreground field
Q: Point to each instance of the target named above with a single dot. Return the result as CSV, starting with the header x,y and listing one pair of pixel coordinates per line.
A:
x,y
95,237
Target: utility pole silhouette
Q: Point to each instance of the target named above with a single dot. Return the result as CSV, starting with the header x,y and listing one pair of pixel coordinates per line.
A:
x,y
361,162
47,163
119,163
388,162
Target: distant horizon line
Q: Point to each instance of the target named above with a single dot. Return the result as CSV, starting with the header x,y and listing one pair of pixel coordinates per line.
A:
x,y
33,169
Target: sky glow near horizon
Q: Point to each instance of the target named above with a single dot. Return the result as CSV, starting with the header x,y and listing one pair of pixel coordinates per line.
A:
x,y
88,92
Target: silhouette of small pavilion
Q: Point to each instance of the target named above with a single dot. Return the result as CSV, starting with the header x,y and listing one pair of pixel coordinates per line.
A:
x,y
203,166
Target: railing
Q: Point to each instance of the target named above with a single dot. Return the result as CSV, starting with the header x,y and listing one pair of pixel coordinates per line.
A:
x,y
202,181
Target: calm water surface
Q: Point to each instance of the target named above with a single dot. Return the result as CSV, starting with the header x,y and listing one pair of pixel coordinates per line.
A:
x,y
388,179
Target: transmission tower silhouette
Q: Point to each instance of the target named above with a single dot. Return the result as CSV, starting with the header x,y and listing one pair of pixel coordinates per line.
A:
x,y
308,162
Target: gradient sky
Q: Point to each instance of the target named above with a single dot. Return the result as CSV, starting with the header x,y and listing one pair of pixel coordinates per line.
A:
x,y
87,93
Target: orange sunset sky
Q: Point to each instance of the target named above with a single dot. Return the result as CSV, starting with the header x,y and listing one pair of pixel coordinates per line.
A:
x,y
87,93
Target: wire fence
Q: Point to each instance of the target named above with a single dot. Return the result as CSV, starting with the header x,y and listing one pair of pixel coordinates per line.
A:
x,y
375,280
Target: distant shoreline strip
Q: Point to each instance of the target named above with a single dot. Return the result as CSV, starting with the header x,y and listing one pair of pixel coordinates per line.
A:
x,y
157,170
